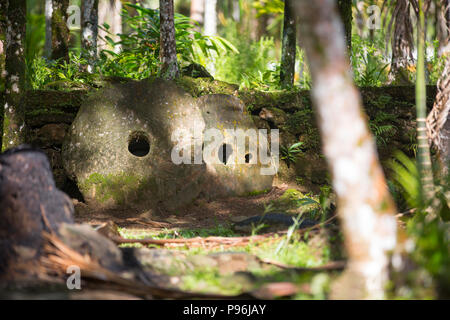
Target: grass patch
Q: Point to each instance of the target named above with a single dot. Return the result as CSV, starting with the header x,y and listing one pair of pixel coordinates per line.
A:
x,y
217,231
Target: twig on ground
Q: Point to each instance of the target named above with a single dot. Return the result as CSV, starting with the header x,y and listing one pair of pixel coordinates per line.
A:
x,y
213,241
332,266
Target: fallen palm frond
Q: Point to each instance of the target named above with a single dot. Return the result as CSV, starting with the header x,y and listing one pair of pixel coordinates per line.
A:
x,y
211,242
58,257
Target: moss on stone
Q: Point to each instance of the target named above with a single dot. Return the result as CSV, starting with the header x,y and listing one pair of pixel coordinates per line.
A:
x,y
54,98
198,87
254,100
43,111
122,188
256,193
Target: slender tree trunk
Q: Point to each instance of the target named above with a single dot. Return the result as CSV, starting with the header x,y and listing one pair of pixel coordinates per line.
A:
x,y
89,30
109,12
423,149
14,124
288,53
168,51
345,11
48,29
197,10
364,204
60,30
3,7
210,17
236,11
261,26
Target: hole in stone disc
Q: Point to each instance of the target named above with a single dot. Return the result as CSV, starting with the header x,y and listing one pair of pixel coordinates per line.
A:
x,y
138,144
225,152
248,157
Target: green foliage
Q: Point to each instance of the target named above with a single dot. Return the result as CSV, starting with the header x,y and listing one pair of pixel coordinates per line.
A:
x,y
257,66
34,45
269,7
39,73
219,230
432,249
290,154
44,74
406,176
254,66
304,78
382,129
436,63
272,8
369,67
429,232
139,56
301,122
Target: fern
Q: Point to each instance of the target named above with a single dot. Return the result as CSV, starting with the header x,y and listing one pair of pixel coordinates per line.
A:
x,y
290,154
407,177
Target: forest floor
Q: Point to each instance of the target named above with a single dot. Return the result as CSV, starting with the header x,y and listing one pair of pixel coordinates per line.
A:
x,y
279,264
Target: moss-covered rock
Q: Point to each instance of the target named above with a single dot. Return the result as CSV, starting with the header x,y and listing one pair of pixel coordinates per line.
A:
x,y
274,115
120,147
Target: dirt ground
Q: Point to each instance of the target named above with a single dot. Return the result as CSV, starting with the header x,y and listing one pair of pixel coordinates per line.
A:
x,y
200,214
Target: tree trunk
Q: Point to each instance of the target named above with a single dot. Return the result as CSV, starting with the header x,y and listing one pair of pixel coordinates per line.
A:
x,y
109,12
402,43
447,15
261,26
14,124
168,51
210,18
345,11
443,24
423,149
365,207
444,153
3,7
48,29
438,121
60,30
236,11
89,30
197,10
287,69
